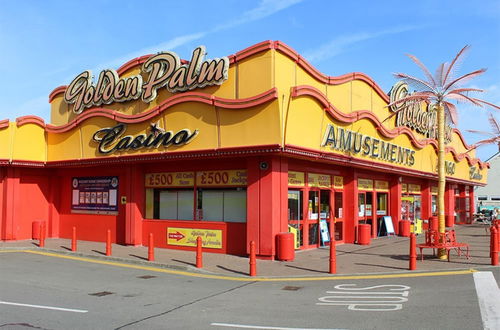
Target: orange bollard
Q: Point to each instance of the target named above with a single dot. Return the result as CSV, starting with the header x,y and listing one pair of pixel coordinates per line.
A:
x,y
199,252
333,256
42,235
73,240
108,243
151,248
413,252
253,261
494,246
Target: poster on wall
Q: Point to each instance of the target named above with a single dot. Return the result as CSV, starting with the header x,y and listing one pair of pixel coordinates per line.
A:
x,y
95,195
211,238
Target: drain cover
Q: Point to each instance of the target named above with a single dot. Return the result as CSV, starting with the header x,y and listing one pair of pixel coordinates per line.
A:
x,y
146,277
292,288
100,294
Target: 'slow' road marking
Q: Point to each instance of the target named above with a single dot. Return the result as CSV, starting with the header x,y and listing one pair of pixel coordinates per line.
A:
x,y
44,307
488,295
244,326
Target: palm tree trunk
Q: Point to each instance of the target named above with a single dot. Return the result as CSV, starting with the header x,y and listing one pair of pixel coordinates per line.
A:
x,y
441,175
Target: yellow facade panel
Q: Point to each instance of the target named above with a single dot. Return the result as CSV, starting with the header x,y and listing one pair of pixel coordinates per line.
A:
x,y
255,74
29,143
340,96
304,123
250,127
361,96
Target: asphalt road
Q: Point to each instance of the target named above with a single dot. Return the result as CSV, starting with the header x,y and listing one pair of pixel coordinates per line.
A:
x,y
41,292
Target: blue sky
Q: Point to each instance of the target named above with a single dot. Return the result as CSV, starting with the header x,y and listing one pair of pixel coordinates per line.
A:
x,y
44,44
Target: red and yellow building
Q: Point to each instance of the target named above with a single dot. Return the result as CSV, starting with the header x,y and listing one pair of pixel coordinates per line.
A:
x,y
236,149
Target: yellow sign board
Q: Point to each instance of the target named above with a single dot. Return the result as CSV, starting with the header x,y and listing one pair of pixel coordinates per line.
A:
x,y
296,179
365,184
211,238
434,190
414,189
319,180
222,178
338,182
170,179
404,187
381,185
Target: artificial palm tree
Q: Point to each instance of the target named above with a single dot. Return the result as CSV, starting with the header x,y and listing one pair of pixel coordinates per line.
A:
x,y
439,89
494,134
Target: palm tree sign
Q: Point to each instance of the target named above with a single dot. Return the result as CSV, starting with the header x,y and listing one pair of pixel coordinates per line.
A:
x,y
440,89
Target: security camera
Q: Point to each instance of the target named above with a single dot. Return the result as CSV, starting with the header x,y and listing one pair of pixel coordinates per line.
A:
x,y
263,166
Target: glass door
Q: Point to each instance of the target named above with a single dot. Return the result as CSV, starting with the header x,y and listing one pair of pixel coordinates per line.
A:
x,y
295,216
313,218
324,216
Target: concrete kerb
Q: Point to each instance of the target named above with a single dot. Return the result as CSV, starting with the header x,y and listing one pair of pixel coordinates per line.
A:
x,y
193,271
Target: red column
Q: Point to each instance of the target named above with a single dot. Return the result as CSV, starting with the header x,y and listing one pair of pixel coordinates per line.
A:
x,y
395,201
351,206
267,188
472,203
426,200
54,201
11,195
449,200
135,192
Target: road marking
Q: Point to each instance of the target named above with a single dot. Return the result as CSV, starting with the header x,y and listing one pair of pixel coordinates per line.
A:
x,y
488,295
250,279
359,299
44,307
244,326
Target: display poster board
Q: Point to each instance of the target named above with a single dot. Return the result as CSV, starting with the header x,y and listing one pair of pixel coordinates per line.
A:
x,y
296,179
210,238
386,224
95,195
325,234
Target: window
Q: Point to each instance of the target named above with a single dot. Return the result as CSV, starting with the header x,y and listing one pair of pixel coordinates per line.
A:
x,y
228,205
495,198
173,204
381,203
482,198
338,204
434,205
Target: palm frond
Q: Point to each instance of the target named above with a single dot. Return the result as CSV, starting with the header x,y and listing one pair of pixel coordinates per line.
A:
x,y
426,71
415,97
465,90
439,74
488,141
463,98
451,110
494,106
480,132
419,84
455,63
463,79
494,125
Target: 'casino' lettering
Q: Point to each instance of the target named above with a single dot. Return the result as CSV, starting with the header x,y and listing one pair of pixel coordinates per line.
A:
x,y
110,139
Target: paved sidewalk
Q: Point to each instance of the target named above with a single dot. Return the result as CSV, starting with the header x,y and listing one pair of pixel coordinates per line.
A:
x,y
383,255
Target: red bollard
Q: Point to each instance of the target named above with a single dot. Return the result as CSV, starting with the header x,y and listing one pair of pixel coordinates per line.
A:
x,y
494,246
73,240
253,261
498,236
199,252
108,243
333,256
151,248
42,235
413,252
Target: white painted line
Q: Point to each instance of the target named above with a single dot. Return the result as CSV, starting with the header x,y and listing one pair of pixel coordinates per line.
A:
x,y
44,307
243,326
488,295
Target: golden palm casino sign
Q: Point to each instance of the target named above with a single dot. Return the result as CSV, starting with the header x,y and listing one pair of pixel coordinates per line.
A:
x,y
410,113
163,70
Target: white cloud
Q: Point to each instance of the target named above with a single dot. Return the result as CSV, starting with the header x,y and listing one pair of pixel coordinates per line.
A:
x,y
341,43
264,9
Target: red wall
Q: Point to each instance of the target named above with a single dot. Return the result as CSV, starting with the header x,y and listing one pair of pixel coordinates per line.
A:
x,y
90,227
233,234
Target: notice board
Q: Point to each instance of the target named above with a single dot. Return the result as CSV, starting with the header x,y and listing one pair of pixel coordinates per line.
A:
x,y
387,224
